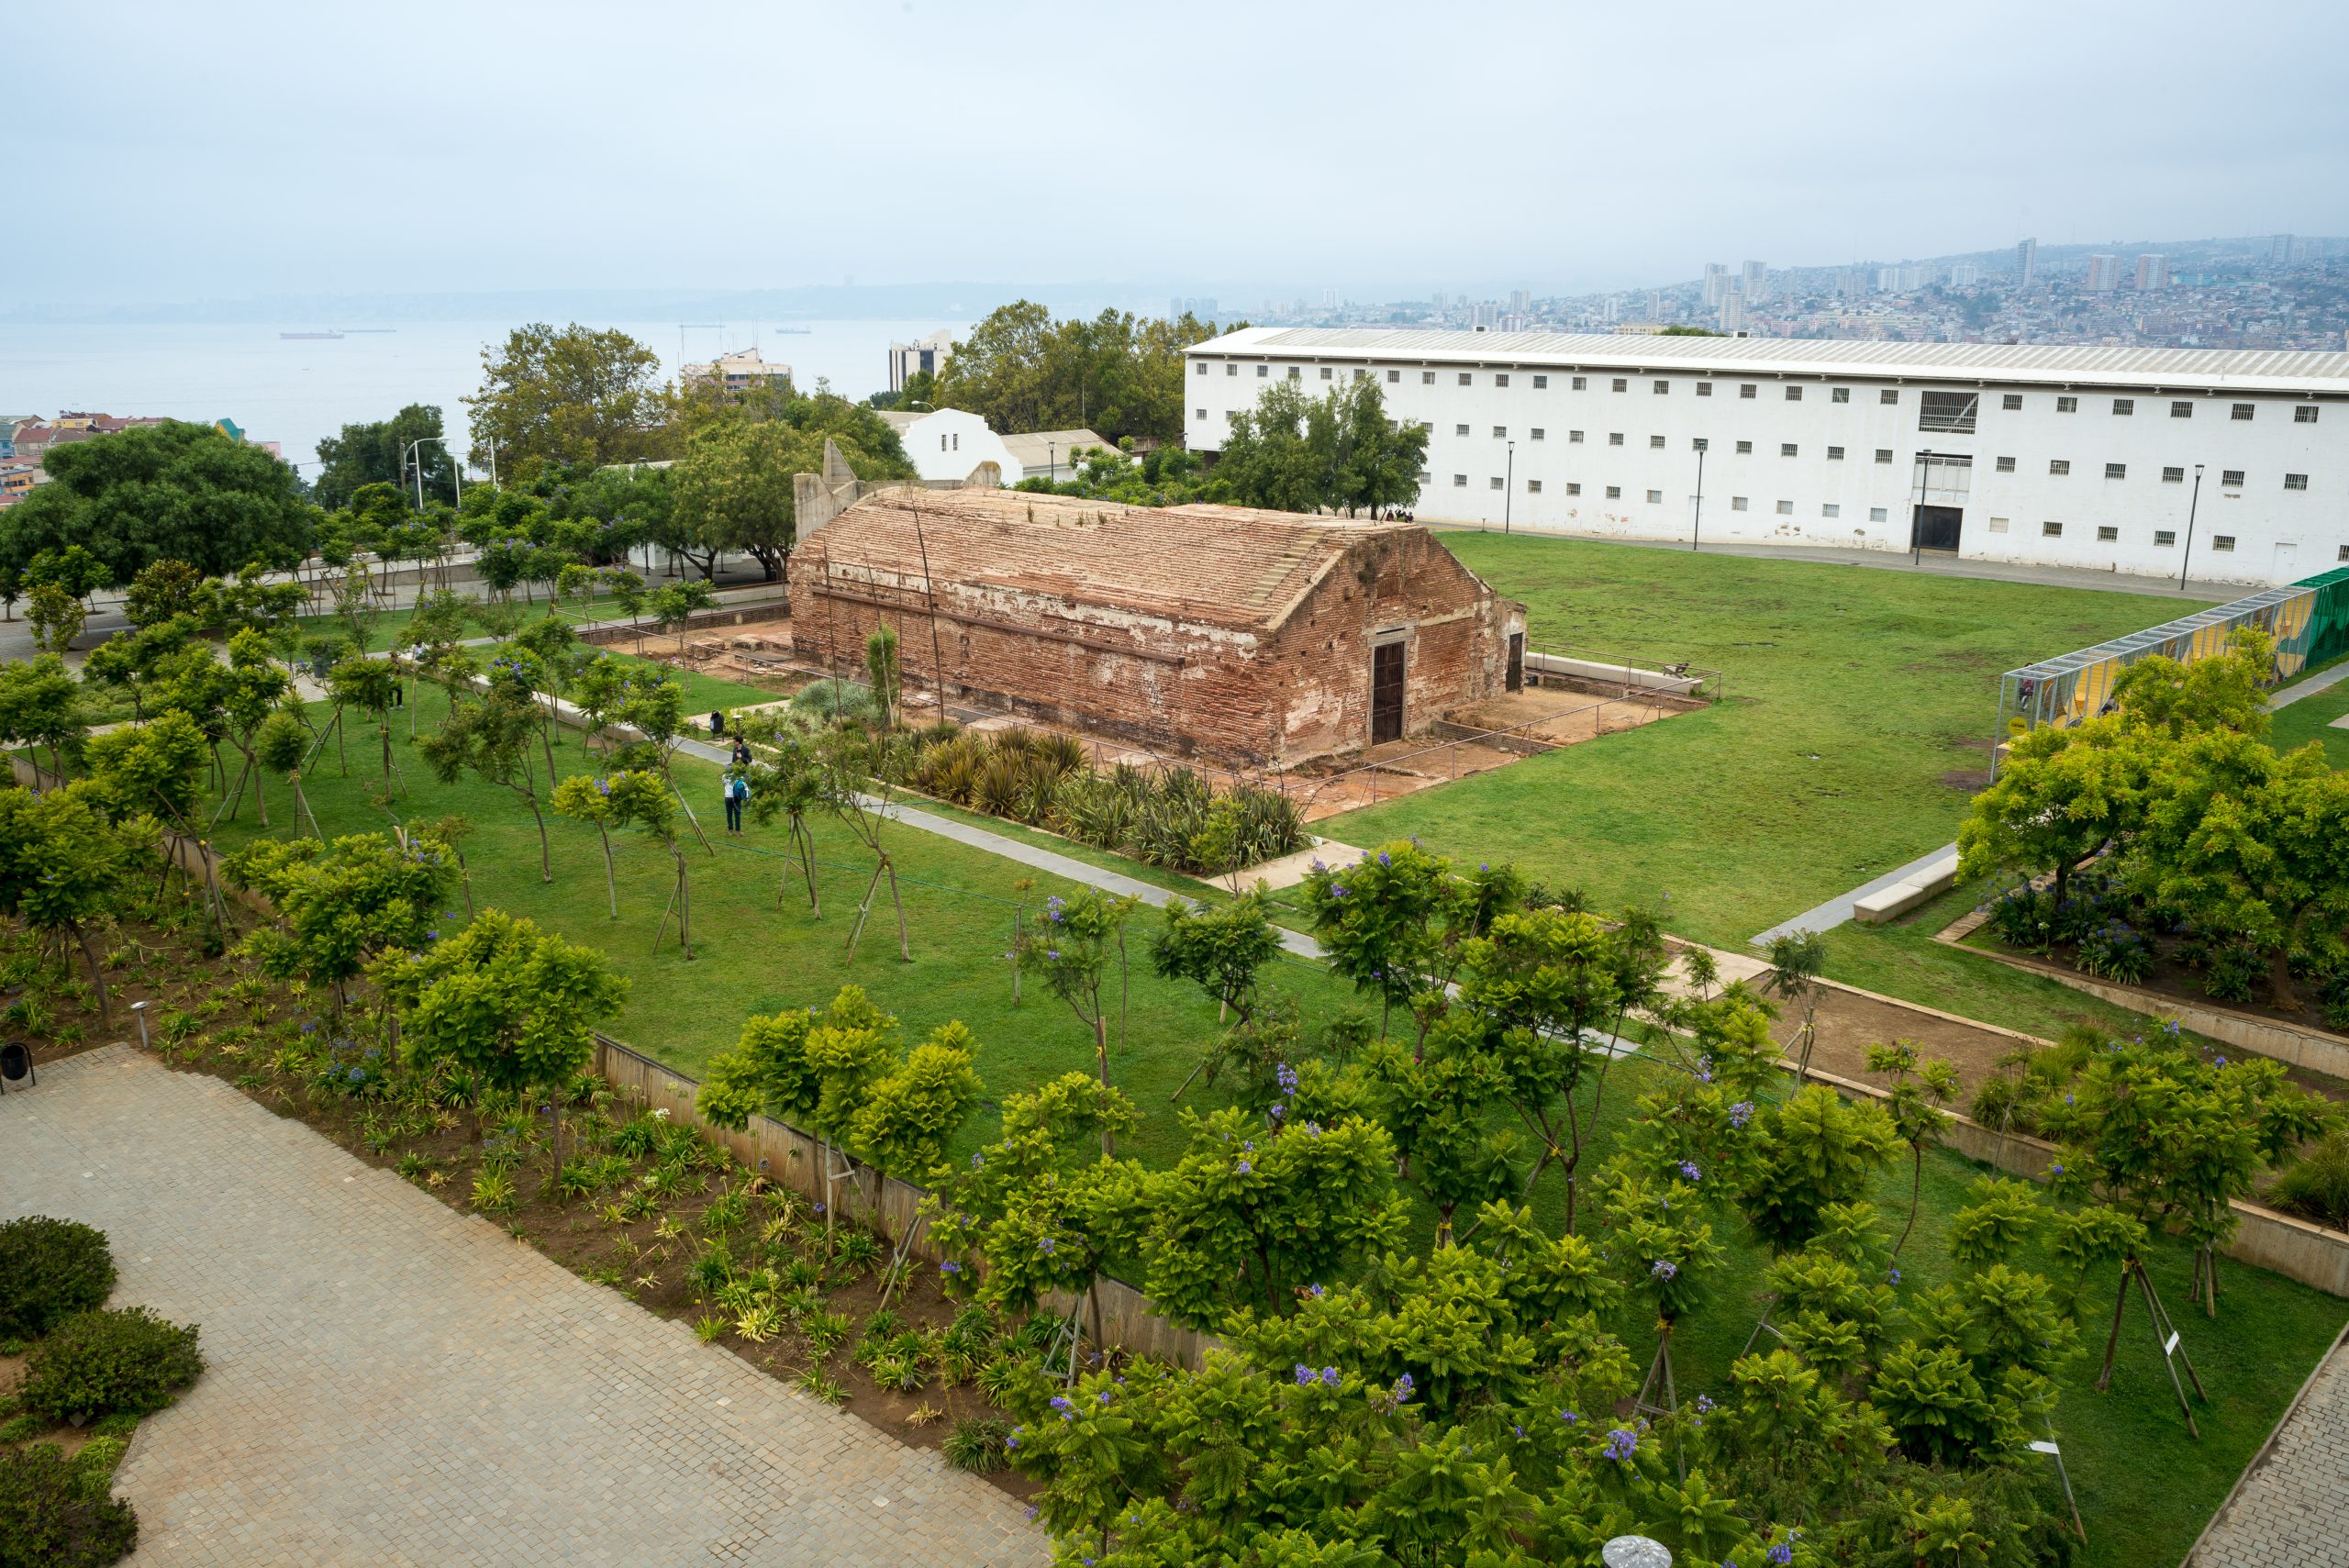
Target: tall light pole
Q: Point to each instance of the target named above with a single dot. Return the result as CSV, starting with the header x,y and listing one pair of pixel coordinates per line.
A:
x,y
1509,488
416,458
1052,464
1696,530
2191,507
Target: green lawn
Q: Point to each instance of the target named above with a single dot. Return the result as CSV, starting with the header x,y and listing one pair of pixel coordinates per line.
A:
x,y
2144,1486
1850,694
2310,719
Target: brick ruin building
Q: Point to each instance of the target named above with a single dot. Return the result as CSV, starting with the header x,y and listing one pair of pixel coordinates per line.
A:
x,y
1242,636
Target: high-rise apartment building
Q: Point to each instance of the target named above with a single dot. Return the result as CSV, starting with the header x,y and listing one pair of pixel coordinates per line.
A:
x,y
1757,282
1964,275
2280,248
1521,302
1716,283
2153,271
1734,309
2026,262
2104,272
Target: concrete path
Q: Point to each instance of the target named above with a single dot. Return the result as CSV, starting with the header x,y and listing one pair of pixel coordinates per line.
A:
x,y
394,1383
2308,688
1835,911
2292,1508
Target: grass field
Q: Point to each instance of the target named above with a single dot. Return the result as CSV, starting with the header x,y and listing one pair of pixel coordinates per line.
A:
x,y
1859,716
2144,1486
2310,719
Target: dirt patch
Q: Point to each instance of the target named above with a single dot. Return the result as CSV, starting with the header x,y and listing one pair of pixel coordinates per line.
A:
x,y
1971,781
1848,1024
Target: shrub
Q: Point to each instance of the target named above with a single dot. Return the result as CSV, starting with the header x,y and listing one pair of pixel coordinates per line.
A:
x,y
55,1512
978,1445
2116,953
101,1362
50,1269
2022,917
836,699
2317,1187
2234,970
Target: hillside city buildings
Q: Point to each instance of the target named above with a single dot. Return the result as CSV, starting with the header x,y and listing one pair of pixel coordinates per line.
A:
x,y
2119,459
27,440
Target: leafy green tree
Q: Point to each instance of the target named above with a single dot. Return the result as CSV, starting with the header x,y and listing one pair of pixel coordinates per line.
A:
x,y
42,704
1255,1212
1115,373
1071,950
787,781
1222,949
674,605
56,616
516,1006
252,693
1398,922
648,802
1797,961
1372,462
2060,797
734,484
377,453
371,685
65,866
341,905
1268,456
2227,691
156,768
575,395
164,589
491,738
1816,1150
1920,1088
171,491
281,745
2242,842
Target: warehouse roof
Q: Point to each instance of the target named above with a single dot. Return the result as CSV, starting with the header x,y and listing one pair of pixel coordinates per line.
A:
x,y
1222,566
2234,369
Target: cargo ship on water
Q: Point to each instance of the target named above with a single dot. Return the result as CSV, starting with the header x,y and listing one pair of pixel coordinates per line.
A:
x,y
311,337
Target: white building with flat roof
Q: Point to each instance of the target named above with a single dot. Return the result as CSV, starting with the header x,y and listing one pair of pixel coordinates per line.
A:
x,y
2060,456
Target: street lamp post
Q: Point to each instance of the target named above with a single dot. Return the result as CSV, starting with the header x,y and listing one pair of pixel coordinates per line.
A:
x,y
416,458
2192,505
1051,463
1508,488
1696,530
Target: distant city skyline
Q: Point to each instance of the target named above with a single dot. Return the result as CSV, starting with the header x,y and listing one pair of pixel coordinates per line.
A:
x,y
457,148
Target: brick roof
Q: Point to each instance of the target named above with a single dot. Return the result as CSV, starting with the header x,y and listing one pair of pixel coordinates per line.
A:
x,y
1228,566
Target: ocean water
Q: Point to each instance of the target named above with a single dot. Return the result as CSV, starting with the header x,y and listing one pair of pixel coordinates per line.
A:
x,y
295,392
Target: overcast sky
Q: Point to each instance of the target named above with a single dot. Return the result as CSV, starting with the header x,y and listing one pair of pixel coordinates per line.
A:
x,y
192,150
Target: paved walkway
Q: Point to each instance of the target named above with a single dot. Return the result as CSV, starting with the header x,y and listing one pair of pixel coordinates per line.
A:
x,y
1835,911
394,1383
2292,1508
2308,687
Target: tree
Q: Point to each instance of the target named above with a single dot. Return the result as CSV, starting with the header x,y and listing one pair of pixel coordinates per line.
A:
x,y
341,905
508,1002
1373,462
2243,842
371,685
1268,459
377,453
1798,958
163,590
2060,797
1221,949
1253,1212
153,491
1816,1150
573,396
64,866
1398,921
491,738
647,801
281,745
675,605
251,697
1071,950
1114,373
1920,1088
881,667
42,704
2227,691
734,485
789,781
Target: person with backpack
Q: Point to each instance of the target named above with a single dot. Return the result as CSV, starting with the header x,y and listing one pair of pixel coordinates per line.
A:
x,y
738,790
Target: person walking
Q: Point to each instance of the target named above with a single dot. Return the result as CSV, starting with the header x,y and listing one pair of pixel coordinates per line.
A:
x,y
738,790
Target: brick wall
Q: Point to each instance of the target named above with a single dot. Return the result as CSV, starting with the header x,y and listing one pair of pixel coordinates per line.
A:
x,y
1181,686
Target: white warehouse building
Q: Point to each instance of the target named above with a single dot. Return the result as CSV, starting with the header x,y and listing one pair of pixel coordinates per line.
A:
x,y
2056,456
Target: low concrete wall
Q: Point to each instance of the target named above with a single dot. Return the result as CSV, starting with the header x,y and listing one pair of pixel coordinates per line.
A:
x,y
785,1155
1612,675
2297,1249
2310,1048
746,615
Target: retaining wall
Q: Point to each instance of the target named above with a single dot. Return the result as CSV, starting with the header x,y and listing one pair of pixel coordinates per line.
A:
x,y
701,620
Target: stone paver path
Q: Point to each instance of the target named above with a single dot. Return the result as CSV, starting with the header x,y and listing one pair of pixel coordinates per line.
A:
x,y
2291,1509
394,1383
